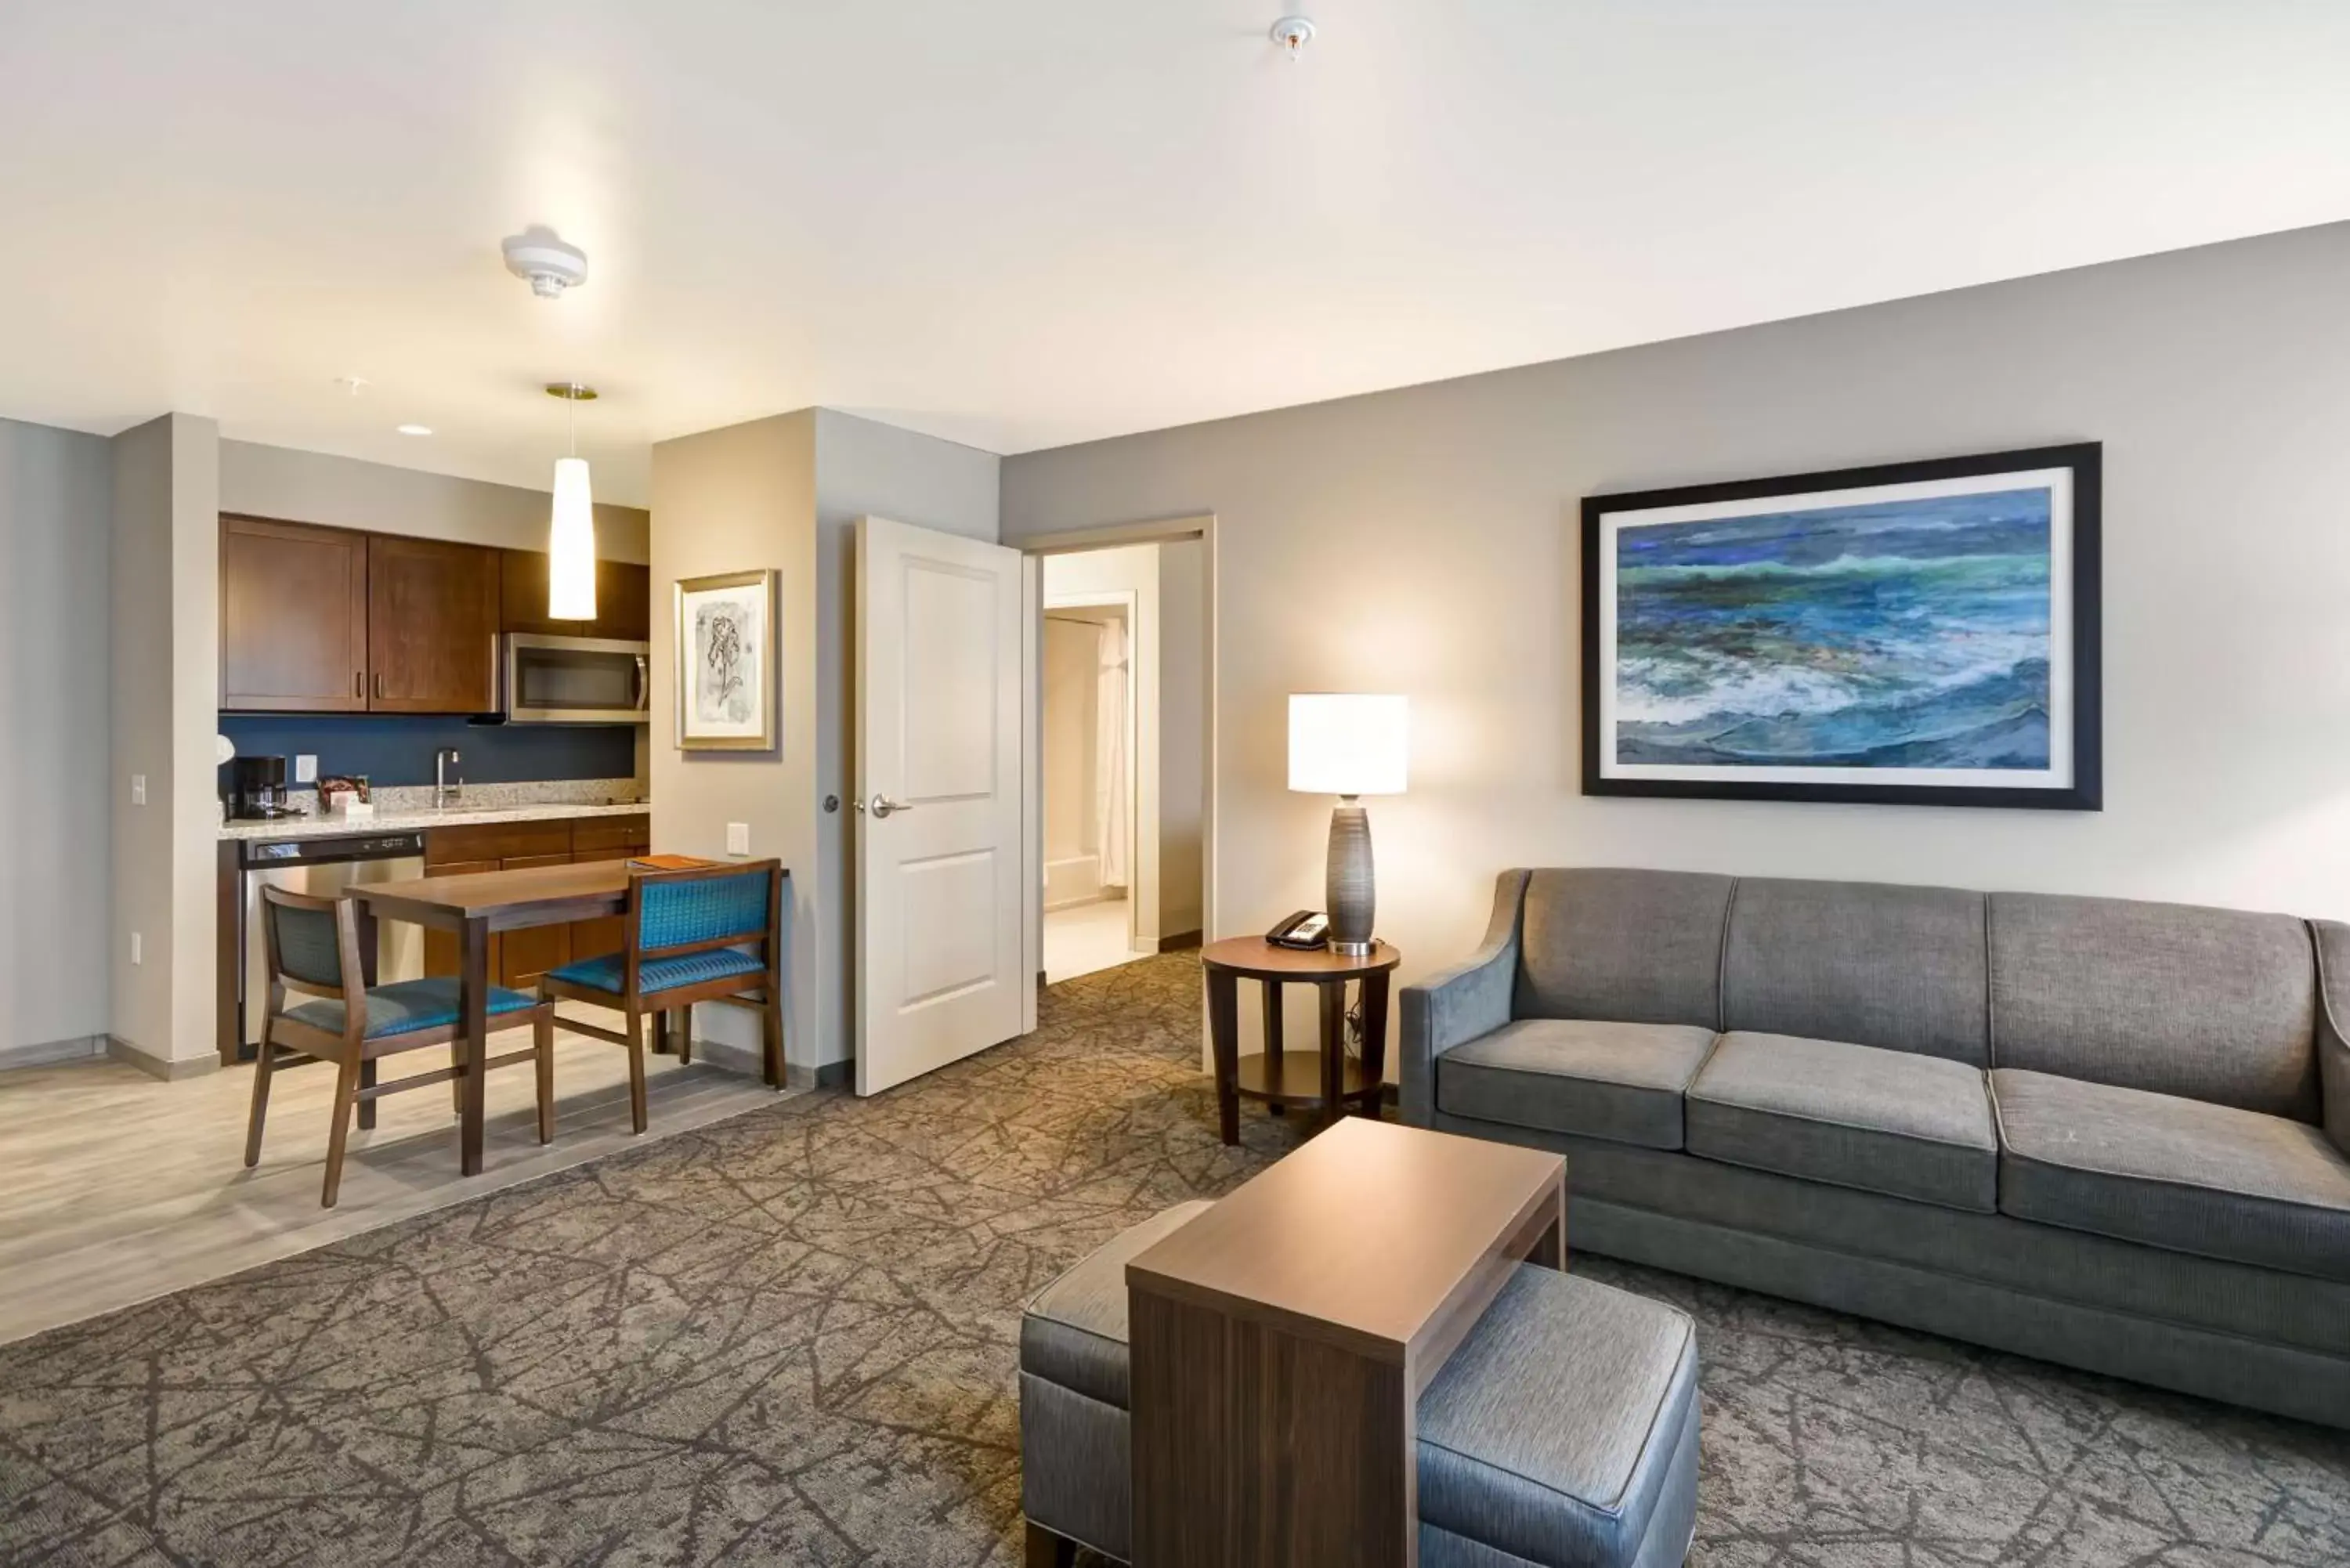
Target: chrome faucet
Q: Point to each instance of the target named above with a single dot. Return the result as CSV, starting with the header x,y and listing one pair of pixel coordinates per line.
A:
x,y
445,789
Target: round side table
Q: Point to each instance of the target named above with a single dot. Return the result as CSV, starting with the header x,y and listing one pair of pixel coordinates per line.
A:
x,y
1326,1079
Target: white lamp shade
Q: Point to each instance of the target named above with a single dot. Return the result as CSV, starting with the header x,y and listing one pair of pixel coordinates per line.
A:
x,y
1348,742
571,544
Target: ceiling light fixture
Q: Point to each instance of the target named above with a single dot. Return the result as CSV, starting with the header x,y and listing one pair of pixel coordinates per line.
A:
x,y
1292,33
571,526
416,429
545,261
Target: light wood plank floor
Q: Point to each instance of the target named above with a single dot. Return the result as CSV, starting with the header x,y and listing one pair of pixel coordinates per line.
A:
x,y
115,1188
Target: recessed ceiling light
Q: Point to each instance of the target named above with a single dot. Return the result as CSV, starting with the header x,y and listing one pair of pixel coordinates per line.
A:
x,y
416,429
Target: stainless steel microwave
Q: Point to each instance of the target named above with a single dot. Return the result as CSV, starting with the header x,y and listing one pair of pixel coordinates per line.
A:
x,y
574,680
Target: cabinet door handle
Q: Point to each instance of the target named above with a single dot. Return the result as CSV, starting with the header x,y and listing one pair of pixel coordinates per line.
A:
x,y
379,685
358,683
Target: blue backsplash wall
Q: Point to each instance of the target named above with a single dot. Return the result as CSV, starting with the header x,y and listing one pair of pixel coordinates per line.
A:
x,y
397,748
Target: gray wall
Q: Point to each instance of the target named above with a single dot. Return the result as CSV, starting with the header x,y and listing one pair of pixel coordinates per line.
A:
x,y
56,500
867,469
1424,540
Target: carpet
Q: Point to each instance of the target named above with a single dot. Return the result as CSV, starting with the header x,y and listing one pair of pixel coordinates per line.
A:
x,y
790,1337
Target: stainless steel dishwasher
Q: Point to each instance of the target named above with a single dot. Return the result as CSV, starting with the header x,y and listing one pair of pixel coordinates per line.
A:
x,y
322,866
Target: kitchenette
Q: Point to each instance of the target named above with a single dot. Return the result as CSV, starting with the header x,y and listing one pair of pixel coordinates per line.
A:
x,y
394,707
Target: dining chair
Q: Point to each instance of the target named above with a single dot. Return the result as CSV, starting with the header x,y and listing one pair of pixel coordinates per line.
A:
x,y
314,951
708,934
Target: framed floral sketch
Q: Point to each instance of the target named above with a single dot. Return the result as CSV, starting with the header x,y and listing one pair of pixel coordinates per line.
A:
x,y
726,662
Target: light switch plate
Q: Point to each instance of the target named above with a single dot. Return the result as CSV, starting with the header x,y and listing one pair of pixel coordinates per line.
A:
x,y
738,838
138,789
306,769
138,949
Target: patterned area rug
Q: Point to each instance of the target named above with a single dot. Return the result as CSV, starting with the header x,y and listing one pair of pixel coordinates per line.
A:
x,y
790,1338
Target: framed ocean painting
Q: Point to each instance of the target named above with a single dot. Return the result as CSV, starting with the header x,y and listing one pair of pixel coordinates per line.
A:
x,y
1917,632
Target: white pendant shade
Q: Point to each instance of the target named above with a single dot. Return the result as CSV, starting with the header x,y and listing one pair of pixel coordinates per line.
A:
x,y
571,544
1348,742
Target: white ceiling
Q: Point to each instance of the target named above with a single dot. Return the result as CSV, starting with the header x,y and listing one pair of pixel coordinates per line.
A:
x,y
1019,225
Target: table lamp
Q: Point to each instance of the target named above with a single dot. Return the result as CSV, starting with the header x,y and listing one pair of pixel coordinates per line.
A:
x,y
1348,745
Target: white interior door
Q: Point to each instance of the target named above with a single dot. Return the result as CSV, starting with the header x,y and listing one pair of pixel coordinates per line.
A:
x,y
940,857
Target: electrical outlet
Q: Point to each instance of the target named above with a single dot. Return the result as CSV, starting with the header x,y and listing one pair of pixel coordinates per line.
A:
x,y
738,838
138,949
306,769
138,789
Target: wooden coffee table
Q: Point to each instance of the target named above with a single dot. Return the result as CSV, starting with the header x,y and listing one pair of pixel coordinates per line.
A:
x,y
1281,1340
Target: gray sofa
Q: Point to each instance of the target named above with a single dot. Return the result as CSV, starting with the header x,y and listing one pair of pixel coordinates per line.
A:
x,y
2106,1133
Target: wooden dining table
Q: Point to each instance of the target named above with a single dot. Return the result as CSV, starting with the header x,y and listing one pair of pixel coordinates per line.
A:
x,y
475,906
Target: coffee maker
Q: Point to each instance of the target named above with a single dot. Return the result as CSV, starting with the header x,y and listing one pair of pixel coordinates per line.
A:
x,y
257,789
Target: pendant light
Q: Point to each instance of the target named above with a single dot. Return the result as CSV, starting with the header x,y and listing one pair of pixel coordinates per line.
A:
x,y
571,529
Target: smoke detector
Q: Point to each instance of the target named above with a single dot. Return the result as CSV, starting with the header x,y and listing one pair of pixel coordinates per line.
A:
x,y
544,260
1292,33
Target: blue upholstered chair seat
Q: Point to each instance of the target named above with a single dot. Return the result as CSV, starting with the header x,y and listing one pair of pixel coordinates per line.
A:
x,y
406,1005
662,973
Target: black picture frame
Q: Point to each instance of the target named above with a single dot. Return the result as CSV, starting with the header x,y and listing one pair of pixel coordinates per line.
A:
x,y
2086,788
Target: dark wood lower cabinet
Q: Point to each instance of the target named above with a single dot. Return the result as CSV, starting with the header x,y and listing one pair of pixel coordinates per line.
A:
x,y
524,955
518,958
441,947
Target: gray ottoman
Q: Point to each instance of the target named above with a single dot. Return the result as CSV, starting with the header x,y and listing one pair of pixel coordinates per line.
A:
x,y
1562,1433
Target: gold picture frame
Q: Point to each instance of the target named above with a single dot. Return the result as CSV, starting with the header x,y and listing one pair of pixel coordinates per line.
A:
x,y
726,663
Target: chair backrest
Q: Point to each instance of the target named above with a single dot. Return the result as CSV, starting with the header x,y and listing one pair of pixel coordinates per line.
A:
x,y
718,906
307,940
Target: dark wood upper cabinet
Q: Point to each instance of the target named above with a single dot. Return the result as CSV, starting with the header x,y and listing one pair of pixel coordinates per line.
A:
x,y
432,623
293,617
624,603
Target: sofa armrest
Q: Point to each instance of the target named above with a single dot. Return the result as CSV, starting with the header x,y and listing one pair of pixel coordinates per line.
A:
x,y
2333,938
1461,1004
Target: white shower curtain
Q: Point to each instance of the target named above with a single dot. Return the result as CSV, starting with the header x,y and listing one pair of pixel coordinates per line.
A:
x,y
1110,783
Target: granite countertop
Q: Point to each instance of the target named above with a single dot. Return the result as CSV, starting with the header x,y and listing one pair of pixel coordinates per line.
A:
x,y
408,810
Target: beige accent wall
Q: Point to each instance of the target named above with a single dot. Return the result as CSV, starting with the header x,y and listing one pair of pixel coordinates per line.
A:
x,y
163,696
346,493
737,500
786,493
1425,541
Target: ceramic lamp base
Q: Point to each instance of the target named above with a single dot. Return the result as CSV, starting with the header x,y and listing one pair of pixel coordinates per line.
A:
x,y
1347,887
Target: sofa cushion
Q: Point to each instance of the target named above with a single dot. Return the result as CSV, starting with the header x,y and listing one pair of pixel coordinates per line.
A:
x,y
2171,1172
2208,1004
1883,1121
1563,1431
1643,947
1900,968
1617,1081
1074,1331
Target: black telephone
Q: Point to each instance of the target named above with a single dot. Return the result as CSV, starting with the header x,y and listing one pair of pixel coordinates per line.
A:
x,y
1307,928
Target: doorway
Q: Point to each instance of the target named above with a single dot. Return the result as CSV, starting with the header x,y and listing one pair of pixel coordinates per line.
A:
x,y
1121,807
1092,813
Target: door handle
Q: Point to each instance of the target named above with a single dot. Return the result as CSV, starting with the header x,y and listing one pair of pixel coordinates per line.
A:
x,y
644,686
883,805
